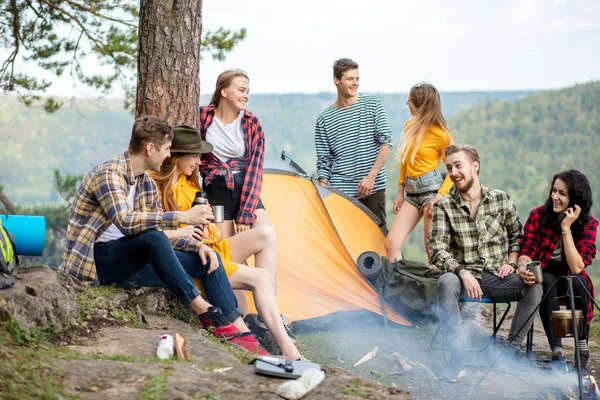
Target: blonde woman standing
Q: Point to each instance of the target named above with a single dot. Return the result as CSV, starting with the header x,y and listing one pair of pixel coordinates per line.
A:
x,y
420,186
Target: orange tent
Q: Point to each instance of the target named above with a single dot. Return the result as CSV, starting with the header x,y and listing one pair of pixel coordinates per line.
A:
x,y
320,234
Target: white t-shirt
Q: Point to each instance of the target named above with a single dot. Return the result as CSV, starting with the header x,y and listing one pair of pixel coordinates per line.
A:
x,y
113,233
227,140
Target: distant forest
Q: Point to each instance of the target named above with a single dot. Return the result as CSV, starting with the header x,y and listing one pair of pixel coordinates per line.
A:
x,y
523,138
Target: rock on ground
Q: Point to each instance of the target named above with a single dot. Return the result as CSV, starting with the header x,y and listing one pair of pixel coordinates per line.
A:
x,y
38,299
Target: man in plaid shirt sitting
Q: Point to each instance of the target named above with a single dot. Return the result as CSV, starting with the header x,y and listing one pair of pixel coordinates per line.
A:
x,y
114,235
475,241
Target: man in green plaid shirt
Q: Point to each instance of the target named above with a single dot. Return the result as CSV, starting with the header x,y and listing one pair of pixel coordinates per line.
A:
x,y
475,240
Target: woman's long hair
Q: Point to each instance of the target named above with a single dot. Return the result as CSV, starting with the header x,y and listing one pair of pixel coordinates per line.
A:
x,y
164,181
580,193
428,104
223,82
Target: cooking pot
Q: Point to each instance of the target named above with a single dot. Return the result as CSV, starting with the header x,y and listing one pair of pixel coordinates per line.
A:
x,y
562,323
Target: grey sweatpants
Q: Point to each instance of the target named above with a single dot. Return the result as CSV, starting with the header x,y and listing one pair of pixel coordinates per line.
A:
x,y
510,288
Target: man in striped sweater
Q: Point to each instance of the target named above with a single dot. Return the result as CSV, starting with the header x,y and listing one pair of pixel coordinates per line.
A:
x,y
353,140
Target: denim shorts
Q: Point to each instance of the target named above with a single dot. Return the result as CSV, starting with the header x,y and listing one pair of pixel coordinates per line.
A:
x,y
421,190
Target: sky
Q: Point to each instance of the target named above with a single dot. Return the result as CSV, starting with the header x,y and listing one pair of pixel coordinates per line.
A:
x,y
460,45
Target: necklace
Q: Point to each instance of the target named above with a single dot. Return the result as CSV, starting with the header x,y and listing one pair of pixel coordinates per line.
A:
x,y
470,201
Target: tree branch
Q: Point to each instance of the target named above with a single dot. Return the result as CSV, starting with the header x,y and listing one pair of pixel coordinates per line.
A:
x,y
10,207
97,14
13,56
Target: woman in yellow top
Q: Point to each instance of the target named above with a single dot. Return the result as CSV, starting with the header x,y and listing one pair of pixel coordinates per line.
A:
x,y
420,186
178,184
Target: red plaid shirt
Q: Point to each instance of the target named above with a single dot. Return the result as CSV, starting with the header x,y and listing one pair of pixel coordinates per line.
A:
x,y
539,243
252,163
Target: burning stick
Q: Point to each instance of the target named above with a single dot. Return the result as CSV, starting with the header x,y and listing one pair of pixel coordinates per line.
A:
x,y
405,366
368,356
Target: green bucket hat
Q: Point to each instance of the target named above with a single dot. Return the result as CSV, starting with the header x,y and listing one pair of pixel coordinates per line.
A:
x,y
187,140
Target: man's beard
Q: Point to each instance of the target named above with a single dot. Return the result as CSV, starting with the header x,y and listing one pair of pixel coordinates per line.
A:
x,y
467,184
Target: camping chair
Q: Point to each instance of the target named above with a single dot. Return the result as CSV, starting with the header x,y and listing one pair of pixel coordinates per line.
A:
x,y
492,338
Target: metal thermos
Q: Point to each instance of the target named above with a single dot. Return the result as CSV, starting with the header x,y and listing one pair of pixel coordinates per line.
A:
x,y
200,199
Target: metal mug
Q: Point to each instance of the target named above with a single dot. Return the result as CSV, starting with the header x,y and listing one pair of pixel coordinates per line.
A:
x,y
219,213
535,267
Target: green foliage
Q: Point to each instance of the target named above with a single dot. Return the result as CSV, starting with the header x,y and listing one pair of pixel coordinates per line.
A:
x,y
222,41
67,36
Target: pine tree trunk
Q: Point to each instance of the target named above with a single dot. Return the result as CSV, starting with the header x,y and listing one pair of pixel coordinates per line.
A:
x,y
169,60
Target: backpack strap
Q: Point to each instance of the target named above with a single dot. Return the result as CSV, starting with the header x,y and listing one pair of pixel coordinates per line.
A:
x,y
11,239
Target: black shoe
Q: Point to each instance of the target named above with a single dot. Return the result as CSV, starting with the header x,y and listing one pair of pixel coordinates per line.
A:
x,y
559,363
453,371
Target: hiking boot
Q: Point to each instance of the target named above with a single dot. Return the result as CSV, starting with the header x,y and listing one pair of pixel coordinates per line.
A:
x,y
253,323
285,318
248,341
453,371
558,363
215,322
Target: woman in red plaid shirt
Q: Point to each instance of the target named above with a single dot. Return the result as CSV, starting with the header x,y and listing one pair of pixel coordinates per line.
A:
x,y
233,171
561,235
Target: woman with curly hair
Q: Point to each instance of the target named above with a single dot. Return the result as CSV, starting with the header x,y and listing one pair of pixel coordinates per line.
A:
x,y
561,235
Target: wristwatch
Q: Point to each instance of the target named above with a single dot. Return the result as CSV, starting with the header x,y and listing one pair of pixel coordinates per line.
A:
x,y
514,265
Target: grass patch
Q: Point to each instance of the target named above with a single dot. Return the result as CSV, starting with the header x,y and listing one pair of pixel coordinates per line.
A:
x,y
92,299
26,375
364,393
176,310
13,332
156,385
381,377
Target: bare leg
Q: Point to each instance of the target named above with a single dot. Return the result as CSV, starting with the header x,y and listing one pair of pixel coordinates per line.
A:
x,y
427,222
257,280
227,229
261,242
199,305
262,218
404,222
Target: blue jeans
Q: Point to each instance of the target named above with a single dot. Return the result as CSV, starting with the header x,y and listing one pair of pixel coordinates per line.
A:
x,y
147,259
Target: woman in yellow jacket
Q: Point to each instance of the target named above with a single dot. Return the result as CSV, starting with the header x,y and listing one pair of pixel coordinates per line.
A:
x,y
178,184
420,186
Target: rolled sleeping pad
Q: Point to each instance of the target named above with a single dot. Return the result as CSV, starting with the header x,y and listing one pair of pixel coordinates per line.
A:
x,y
369,264
29,232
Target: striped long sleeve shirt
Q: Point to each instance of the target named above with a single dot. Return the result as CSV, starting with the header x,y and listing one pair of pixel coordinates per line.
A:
x,y
101,200
348,142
